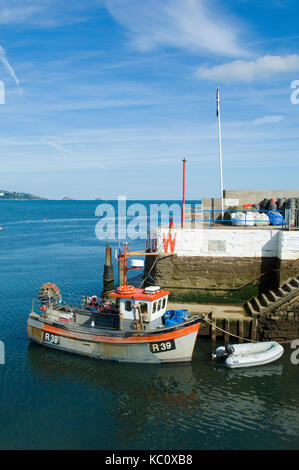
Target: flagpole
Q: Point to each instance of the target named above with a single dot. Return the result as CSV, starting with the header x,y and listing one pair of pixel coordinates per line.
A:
x,y
220,150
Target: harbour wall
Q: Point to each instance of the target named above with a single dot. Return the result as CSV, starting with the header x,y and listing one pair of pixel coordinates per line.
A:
x,y
202,264
229,266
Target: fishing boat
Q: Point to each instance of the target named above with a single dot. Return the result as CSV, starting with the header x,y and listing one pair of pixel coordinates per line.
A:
x,y
248,355
131,325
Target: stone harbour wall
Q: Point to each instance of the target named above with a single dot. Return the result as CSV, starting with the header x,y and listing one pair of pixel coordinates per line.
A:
x,y
208,272
208,280
222,259
227,266
282,324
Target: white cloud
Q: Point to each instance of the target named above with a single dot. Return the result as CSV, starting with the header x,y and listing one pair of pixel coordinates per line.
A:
x,y
267,120
17,14
246,71
193,24
45,13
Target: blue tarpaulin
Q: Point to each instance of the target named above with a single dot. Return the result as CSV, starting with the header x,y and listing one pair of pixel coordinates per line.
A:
x,y
276,218
174,317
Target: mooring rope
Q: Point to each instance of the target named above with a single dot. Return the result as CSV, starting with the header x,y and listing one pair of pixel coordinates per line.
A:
x,y
231,334
147,274
210,323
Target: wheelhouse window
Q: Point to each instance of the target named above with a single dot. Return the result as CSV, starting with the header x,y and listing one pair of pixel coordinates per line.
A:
x,y
159,304
154,307
128,306
164,302
143,307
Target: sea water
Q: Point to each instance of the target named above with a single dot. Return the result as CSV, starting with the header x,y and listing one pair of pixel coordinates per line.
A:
x,y
55,400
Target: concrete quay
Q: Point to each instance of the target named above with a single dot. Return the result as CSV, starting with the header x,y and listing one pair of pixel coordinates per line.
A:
x,y
231,318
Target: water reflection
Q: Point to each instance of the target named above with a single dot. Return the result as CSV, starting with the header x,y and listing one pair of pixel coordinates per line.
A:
x,y
255,372
189,406
135,393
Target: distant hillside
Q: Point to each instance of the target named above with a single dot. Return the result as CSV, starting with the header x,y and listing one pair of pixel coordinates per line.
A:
x,y
6,195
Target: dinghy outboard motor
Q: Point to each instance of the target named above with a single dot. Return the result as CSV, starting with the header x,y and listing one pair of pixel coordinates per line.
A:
x,y
229,349
223,352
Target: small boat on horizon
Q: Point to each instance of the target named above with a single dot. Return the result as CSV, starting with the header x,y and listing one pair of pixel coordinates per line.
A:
x,y
132,325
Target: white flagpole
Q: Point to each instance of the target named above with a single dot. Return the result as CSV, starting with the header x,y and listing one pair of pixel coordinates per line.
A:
x,y
220,150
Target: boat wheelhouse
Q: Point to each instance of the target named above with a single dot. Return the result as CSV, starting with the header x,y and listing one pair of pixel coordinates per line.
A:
x,y
146,306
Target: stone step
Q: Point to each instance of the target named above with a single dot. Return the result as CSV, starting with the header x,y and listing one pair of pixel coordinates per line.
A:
x,y
279,291
266,301
262,301
250,309
271,296
274,295
286,287
256,304
294,282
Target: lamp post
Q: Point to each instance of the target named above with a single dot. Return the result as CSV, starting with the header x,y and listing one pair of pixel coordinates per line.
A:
x,y
220,149
183,204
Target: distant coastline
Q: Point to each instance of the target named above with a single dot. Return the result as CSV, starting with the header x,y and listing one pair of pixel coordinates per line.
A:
x,y
16,196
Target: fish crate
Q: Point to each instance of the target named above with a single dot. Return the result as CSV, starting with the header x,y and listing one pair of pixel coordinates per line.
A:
x,y
66,317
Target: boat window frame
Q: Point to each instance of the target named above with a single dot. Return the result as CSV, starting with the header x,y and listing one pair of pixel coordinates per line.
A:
x,y
154,309
131,306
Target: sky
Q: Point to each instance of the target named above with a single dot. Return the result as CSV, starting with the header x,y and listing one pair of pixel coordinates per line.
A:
x,y
101,98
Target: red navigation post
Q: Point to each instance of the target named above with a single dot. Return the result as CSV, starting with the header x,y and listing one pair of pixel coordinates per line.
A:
x,y
183,205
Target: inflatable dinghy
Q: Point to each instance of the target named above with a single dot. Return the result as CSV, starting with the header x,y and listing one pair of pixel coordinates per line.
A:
x,y
248,355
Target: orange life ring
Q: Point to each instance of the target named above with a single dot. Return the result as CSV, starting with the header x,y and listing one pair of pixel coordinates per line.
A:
x,y
126,289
